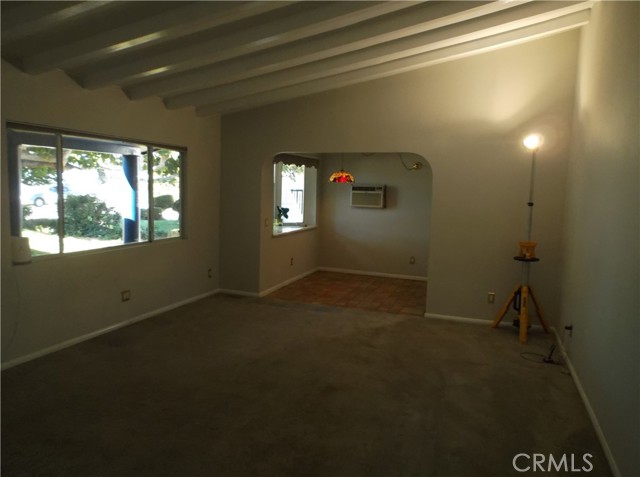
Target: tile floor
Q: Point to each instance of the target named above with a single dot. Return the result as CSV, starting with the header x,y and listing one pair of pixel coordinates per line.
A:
x,y
365,292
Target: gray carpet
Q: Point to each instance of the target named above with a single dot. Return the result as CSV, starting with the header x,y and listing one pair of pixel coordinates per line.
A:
x,y
243,387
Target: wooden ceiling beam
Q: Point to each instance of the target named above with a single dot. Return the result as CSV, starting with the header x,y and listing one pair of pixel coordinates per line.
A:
x,y
509,20
318,18
502,40
178,22
30,18
417,19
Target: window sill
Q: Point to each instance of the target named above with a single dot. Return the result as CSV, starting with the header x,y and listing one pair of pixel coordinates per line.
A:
x,y
280,230
92,251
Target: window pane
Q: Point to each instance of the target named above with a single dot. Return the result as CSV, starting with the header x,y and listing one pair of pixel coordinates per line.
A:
x,y
143,198
101,193
166,194
292,194
38,192
105,187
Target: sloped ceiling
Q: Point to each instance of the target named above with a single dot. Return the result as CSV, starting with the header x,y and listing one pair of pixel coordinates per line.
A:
x,y
226,56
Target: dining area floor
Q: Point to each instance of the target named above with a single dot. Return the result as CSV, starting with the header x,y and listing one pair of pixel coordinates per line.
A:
x,y
349,290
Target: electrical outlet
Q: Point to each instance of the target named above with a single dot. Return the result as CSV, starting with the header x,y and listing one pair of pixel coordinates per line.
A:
x,y
491,297
125,295
569,328
412,260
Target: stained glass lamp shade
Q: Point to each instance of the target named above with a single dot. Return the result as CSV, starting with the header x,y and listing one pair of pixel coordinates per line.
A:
x,y
341,176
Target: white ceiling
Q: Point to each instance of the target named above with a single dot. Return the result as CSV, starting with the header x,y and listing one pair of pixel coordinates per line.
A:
x,y
226,56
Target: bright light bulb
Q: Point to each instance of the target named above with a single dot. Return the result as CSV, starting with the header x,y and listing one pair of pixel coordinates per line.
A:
x,y
532,142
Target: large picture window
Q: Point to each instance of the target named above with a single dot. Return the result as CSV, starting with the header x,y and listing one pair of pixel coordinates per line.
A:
x,y
73,192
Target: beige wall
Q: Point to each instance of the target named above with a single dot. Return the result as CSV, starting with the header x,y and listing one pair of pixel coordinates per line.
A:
x,y
57,299
467,119
376,240
362,240
601,276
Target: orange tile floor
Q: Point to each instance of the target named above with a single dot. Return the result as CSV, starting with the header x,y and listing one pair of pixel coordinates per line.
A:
x,y
365,292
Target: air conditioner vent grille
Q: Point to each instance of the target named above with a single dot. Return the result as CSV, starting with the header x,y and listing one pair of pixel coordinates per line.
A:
x,y
370,196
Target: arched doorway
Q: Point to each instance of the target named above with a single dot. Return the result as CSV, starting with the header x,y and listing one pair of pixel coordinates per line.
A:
x,y
391,241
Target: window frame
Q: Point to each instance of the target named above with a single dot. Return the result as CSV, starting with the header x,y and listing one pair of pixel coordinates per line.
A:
x,y
15,182
310,204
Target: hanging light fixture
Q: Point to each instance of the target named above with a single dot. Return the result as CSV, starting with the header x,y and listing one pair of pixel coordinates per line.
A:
x,y
341,175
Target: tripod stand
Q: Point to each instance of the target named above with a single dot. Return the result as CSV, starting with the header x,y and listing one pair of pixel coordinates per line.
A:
x,y
520,298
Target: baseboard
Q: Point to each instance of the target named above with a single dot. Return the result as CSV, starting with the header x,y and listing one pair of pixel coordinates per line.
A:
x,y
474,321
229,291
286,282
587,404
66,344
373,274
459,319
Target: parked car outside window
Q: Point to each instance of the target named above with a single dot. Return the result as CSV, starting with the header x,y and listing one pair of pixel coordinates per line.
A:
x,y
41,195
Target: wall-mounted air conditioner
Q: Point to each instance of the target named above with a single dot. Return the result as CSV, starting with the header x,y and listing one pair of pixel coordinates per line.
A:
x,y
368,195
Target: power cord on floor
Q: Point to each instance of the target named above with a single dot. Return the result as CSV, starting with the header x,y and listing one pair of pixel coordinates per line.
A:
x,y
542,359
